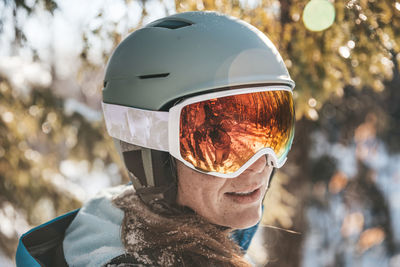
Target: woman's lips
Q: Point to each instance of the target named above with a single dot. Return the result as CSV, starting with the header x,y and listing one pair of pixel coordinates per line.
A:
x,y
245,197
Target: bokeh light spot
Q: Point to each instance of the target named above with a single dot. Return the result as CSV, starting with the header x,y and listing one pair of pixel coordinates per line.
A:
x,y
312,102
318,15
351,44
8,117
344,51
370,237
312,114
46,127
353,224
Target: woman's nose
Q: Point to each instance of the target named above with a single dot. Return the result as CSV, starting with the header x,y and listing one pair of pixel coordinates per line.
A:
x,y
259,165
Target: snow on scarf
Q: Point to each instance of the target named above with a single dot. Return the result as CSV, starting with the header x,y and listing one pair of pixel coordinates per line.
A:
x,y
164,236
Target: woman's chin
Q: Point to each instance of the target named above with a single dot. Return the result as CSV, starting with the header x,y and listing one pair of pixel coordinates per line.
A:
x,y
244,220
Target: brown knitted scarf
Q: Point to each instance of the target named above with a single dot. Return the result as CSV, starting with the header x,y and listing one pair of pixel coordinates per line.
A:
x,y
157,236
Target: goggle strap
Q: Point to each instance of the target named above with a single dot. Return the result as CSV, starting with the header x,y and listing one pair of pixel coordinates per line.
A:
x,y
144,128
148,166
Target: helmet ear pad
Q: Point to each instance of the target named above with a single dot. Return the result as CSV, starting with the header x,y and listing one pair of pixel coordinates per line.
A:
x,y
151,183
165,175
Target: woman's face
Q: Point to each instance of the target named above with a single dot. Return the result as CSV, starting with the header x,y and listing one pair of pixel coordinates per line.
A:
x,y
234,203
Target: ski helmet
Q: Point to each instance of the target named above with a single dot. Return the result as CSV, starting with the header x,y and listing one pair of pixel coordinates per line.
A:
x,y
172,58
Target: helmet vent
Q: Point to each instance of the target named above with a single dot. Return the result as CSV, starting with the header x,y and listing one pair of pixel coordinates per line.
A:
x,y
172,24
151,76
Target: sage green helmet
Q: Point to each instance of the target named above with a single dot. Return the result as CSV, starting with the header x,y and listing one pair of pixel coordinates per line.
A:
x,y
175,57
190,53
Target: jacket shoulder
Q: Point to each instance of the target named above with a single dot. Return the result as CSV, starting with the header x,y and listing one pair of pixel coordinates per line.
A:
x,y
42,246
93,238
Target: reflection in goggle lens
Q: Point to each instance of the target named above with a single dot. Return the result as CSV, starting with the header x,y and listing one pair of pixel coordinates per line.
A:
x,y
222,134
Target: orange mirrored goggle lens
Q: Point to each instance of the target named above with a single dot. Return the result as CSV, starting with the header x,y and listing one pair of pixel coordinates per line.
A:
x,y
222,134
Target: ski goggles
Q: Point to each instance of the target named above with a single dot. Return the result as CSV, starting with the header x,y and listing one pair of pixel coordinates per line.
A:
x,y
220,133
